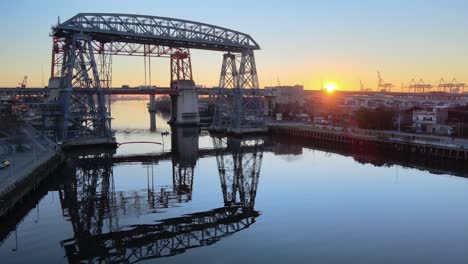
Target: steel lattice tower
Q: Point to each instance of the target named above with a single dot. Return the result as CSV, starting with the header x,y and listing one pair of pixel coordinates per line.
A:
x,y
83,115
229,79
236,110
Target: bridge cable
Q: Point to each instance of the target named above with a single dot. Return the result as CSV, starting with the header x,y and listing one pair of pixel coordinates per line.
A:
x,y
144,61
149,71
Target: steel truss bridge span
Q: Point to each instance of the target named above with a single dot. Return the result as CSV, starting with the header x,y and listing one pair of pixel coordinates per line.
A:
x,y
127,91
82,51
143,29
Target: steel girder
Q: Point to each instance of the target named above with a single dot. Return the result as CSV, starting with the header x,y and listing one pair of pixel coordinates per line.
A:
x,y
83,115
130,28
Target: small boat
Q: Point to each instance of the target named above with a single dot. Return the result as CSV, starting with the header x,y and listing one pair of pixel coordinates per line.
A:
x,y
4,164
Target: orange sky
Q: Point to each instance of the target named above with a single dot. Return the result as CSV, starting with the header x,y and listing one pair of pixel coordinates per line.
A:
x,y
303,42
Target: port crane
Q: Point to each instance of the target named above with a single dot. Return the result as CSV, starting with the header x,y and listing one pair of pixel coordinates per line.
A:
x,y
23,83
419,87
384,86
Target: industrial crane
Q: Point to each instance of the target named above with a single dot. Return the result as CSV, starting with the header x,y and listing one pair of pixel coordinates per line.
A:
x,y
23,83
451,87
383,86
419,87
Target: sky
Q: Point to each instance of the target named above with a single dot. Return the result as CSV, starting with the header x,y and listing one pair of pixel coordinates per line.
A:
x,y
304,42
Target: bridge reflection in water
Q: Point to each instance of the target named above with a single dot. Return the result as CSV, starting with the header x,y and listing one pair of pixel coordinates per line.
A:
x,y
91,203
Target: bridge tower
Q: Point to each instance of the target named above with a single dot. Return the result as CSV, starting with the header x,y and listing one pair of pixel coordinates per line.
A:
x,y
152,112
83,116
239,107
184,100
239,164
229,79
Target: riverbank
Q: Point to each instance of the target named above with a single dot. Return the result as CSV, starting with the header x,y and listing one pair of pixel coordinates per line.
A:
x,y
386,141
31,162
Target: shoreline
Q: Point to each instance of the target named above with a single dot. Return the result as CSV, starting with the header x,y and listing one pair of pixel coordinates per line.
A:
x,y
385,141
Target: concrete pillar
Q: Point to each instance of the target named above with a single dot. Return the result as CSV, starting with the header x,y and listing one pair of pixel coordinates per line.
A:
x,y
184,105
152,121
152,112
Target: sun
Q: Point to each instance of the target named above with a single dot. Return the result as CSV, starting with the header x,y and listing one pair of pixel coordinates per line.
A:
x,y
330,87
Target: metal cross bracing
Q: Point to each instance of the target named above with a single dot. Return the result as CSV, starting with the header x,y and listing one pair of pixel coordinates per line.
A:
x,y
229,79
239,102
121,49
181,68
110,48
181,65
239,170
83,116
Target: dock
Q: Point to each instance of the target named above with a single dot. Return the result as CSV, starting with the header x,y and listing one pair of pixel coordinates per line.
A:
x,y
427,146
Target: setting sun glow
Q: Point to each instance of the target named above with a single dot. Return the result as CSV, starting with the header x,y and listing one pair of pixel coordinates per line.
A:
x,y
330,87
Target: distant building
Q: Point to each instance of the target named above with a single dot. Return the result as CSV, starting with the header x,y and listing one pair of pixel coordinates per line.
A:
x,y
431,121
285,95
424,120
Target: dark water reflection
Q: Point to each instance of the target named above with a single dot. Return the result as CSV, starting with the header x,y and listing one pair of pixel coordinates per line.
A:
x,y
213,199
93,206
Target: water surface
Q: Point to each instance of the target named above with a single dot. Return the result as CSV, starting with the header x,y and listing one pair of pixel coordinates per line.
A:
x,y
249,200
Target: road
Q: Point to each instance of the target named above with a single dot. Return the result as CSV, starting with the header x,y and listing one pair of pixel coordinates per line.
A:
x,y
38,150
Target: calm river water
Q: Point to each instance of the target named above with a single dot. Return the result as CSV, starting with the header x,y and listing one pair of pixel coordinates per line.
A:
x,y
225,200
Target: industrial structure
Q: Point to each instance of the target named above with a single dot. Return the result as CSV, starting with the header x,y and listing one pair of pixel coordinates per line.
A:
x,y
236,111
419,87
451,87
81,72
384,86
